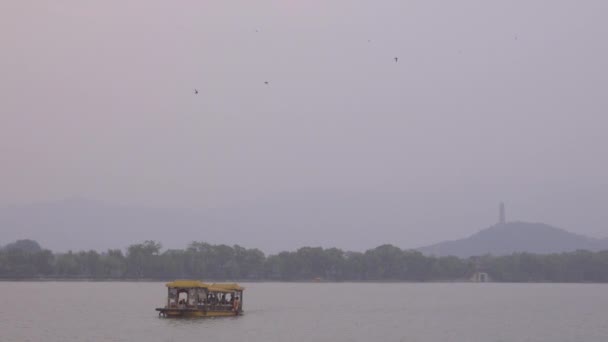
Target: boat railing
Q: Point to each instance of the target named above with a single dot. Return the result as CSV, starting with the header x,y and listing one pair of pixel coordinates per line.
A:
x,y
201,306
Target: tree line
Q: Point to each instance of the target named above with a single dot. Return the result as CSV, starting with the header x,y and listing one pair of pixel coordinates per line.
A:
x,y
25,259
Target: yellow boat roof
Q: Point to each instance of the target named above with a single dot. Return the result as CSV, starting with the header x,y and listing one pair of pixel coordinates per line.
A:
x,y
220,287
187,283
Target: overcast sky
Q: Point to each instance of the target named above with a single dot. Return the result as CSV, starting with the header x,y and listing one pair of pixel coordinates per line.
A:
x,y
488,101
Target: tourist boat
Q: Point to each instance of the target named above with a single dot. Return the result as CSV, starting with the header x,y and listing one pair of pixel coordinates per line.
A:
x,y
193,298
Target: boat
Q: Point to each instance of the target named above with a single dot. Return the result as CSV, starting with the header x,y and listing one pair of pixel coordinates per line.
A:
x,y
193,298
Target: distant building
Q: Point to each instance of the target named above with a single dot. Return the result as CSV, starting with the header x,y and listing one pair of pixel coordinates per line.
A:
x,y
501,213
480,277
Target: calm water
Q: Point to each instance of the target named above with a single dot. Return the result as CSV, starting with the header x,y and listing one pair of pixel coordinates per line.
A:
x,y
72,311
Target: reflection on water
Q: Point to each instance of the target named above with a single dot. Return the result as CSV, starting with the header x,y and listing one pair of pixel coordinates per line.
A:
x,y
114,311
194,321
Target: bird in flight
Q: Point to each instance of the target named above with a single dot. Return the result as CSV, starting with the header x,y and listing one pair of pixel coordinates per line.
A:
x,y
195,91
266,82
396,59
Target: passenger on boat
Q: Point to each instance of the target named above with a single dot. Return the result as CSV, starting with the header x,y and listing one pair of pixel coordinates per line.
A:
x,y
235,305
212,299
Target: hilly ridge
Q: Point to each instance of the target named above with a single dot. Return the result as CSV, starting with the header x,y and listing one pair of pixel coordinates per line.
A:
x,y
512,237
81,224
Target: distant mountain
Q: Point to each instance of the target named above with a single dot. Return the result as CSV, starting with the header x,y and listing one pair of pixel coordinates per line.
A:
x,y
350,223
511,237
82,224
272,225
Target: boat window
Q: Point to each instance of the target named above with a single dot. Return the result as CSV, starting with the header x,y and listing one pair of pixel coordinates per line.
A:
x,y
172,297
182,297
202,296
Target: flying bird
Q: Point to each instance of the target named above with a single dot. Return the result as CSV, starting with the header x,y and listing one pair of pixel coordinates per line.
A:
x,y
266,82
195,91
396,59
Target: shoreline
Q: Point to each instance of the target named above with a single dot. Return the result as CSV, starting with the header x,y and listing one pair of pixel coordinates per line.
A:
x,y
150,280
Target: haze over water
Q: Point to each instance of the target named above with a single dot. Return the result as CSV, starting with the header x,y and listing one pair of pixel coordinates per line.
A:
x,y
343,147
278,312
285,123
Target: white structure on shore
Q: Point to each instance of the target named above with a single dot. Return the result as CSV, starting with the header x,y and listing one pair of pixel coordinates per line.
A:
x,y
480,277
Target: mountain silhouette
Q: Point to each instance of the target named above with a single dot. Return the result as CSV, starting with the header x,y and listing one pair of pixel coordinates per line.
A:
x,y
512,237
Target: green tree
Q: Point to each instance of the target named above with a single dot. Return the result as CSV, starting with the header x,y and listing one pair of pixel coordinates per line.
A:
x,y
143,259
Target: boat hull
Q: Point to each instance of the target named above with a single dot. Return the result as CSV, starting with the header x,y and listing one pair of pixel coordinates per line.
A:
x,y
176,313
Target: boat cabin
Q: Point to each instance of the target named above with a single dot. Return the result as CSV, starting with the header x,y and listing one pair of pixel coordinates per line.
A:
x,y
197,299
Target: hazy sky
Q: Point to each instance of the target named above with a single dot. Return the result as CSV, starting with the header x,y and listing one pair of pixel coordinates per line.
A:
x,y
489,101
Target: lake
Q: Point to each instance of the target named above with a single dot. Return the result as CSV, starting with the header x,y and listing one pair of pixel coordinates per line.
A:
x,y
124,311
